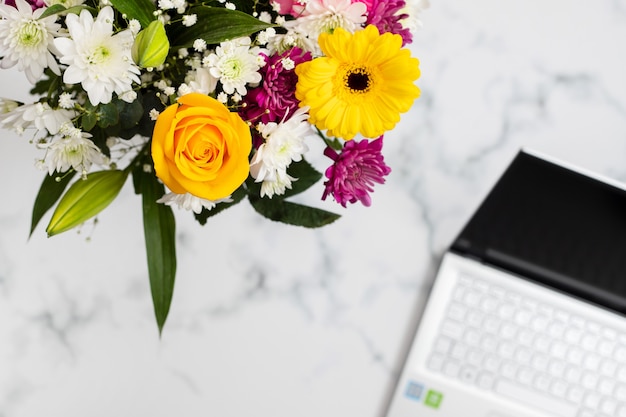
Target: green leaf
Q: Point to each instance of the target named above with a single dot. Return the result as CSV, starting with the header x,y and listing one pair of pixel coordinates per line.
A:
x,y
160,232
142,10
306,175
108,115
292,213
203,216
49,193
85,199
215,25
58,9
88,121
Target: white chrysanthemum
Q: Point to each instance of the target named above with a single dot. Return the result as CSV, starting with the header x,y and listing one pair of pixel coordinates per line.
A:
x,y
98,59
277,185
284,143
413,9
235,64
43,117
324,16
191,202
7,105
72,148
284,42
39,116
26,40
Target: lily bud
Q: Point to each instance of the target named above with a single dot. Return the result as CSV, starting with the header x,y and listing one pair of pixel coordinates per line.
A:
x,y
151,46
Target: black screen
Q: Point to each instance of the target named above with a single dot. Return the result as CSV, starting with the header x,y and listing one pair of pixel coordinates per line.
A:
x,y
556,226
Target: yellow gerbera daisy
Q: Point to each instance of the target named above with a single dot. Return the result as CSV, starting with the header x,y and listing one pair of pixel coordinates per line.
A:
x,y
361,84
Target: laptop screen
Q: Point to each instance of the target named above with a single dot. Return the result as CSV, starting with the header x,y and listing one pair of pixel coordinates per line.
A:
x,y
555,226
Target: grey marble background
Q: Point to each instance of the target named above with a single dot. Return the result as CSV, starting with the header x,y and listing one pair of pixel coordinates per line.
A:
x,y
272,320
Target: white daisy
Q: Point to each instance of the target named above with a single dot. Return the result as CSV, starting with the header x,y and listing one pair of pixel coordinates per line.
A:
x,y
98,59
26,40
72,148
235,64
191,202
284,143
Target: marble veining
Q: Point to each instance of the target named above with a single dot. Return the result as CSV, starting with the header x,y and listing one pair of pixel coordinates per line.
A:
x,y
273,320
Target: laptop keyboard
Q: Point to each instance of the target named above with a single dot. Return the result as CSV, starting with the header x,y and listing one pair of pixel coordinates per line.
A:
x,y
532,352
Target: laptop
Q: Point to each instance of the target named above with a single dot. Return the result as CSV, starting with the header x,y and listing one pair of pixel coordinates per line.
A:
x,y
526,317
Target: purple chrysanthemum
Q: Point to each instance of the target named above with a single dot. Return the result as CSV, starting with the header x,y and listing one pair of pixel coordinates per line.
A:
x,y
384,15
356,169
276,95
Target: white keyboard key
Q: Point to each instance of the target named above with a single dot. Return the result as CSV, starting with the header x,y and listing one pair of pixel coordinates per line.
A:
x,y
485,380
525,375
542,382
606,347
592,400
468,374
575,394
452,329
458,351
620,354
559,388
608,367
589,380
537,399
606,386
620,393
436,362
491,363
472,337
540,362
442,345
451,369
475,357
457,312
608,406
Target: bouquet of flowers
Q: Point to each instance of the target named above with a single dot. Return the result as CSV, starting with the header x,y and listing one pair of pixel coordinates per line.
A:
x,y
205,103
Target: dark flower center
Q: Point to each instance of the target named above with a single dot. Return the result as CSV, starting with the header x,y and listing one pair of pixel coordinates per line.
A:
x,y
358,81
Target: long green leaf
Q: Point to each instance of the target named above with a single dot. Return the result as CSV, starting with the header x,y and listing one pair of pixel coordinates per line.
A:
x,y
49,193
160,233
215,25
292,213
85,199
142,10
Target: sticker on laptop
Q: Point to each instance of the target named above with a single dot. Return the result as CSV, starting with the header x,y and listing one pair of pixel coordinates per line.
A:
x,y
415,391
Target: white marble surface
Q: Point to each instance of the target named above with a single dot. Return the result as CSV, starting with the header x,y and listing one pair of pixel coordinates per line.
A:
x,y
272,320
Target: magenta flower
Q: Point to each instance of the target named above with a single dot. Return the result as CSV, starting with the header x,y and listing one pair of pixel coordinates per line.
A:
x,y
35,4
276,95
356,169
384,15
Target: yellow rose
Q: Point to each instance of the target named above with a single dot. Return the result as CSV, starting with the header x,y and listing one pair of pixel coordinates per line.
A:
x,y
200,147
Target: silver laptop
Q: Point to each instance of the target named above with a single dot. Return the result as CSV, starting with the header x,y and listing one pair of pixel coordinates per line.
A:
x,y
527,314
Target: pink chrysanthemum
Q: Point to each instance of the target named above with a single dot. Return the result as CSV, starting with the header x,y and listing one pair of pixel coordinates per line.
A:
x,y
276,95
356,169
384,14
